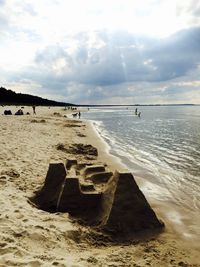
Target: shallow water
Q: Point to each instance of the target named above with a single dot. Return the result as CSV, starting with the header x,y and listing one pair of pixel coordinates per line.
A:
x,y
163,145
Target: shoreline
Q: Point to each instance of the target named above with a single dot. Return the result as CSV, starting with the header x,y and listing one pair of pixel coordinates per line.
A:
x,y
32,237
172,226
173,217
103,148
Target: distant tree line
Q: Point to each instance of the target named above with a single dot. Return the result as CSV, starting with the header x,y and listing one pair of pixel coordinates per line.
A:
x,y
9,97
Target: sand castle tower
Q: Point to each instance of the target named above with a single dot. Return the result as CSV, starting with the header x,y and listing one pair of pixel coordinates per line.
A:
x,y
92,193
124,207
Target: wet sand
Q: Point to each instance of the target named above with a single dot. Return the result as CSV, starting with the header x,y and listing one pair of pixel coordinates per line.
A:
x,y
32,237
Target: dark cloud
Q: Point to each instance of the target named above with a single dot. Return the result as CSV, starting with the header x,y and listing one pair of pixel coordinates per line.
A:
x,y
178,54
126,58
115,63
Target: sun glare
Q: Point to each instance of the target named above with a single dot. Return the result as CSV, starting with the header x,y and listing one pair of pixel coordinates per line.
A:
x,y
150,17
161,22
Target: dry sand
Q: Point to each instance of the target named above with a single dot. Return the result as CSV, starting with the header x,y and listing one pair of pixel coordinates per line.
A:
x,y
32,237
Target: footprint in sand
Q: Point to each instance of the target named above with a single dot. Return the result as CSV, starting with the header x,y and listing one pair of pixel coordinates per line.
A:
x,y
2,245
19,216
11,173
7,249
34,263
3,180
2,183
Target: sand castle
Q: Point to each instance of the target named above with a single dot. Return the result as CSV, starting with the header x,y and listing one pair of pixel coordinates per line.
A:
x,y
95,195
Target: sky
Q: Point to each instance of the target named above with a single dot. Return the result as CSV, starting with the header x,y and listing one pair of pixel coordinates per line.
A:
x,y
102,51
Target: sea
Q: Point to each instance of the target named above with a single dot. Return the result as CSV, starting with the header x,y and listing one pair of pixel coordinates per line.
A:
x,y
162,146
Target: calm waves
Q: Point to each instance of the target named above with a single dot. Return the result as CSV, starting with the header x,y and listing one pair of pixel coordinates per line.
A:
x,y
163,146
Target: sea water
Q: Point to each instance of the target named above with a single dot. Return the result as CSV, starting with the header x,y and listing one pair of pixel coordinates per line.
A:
x,y
163,147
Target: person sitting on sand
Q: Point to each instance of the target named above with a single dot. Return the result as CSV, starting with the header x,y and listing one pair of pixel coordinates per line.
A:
x,y
7,112
19,112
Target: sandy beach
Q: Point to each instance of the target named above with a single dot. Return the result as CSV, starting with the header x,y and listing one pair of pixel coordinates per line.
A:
x,y
33,237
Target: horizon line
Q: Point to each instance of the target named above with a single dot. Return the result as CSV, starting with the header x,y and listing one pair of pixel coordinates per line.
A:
x,y
131,105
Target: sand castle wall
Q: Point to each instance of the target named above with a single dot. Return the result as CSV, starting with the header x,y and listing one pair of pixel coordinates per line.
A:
x,y
119,206
47,197
124,208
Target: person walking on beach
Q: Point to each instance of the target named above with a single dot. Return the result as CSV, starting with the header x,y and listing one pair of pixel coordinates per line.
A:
x,y
79,114
34,110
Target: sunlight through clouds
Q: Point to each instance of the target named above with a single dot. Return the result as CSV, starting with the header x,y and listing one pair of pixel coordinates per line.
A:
x,y
104,49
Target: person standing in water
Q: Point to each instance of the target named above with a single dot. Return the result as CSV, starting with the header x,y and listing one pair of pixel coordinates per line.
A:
x,y
139,114
136,111
79,114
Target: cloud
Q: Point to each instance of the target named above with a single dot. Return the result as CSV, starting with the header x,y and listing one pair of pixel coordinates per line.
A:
x,y
63,52
27,7
105,65
2,2
134,59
